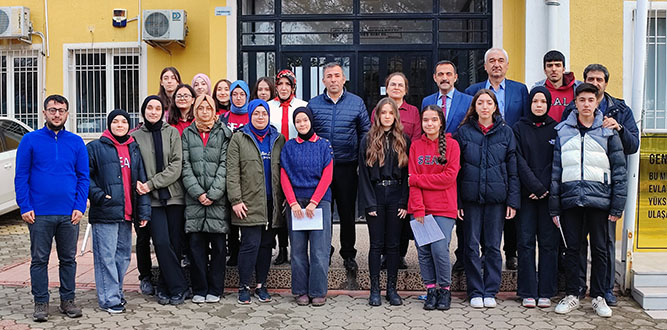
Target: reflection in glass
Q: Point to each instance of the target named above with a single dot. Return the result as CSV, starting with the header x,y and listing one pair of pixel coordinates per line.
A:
x,y
291,7
396,32
399,6
313,33
463,31
258,33
464,6
257,7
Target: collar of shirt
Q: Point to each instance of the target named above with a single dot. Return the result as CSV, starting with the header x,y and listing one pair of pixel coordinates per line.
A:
x,y
339,97
312,139
501,87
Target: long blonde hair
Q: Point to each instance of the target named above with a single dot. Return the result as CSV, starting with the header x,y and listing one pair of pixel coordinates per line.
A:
x,y
375,149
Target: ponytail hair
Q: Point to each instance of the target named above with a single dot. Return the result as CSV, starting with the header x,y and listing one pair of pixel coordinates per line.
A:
x,y
442,138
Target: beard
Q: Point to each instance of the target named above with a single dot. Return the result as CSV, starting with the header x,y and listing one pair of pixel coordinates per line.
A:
x,y
55,128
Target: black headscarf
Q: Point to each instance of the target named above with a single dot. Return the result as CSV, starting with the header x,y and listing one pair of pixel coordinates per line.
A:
x,y
308,113
113,114
156,131
547,95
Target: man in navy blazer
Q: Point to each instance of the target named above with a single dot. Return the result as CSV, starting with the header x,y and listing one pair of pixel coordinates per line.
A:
x,y
456,103
513,103
512,95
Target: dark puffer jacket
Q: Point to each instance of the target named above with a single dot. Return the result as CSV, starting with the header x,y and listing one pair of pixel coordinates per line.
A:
x,y
106,179
343,123
488,172
205,171
588,170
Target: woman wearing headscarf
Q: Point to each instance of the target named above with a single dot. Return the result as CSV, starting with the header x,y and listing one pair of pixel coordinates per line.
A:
x,y
201,83
206,212
253,184
114,204
238,112
161,151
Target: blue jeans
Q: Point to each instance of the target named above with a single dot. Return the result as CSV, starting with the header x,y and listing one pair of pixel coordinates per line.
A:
x,y
311,275
112,245
42,232
434,261
489,220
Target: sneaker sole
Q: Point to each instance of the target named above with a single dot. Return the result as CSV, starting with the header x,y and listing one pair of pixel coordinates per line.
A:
x,y
40,319
113,311
70,315
243,302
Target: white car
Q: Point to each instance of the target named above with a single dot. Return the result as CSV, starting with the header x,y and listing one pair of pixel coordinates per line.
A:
x,y
11,133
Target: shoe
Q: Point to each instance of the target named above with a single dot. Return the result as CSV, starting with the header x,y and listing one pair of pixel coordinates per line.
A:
x,y
544,303
319,301
431,299
262,294
601,308
146,286
41,313
303,300
458,267
567,305
282,256
512,263
123,301
528,302
402,264
374,298
178,299
115,309
211,298
392,296
610,298
233,260
162,298
490,302
244,295
331,252
477,302
69,308
197,299
444,299
350,264
383,262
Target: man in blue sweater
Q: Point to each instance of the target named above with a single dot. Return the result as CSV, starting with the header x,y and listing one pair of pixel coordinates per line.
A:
x,y
51,186
341,117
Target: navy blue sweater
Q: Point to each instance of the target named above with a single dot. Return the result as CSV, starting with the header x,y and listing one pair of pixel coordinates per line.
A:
x,y
51,173
304,163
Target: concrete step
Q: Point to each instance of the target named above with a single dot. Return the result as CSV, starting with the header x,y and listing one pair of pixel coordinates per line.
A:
x,y
651,297
649,278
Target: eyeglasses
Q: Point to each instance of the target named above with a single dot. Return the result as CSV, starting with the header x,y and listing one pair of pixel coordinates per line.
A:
x,y
54,110
183,96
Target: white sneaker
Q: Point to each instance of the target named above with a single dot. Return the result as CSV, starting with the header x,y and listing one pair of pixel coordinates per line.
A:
x,y
212,299
601,308
567,304
490,302
197,299
476,302
528,302
544,303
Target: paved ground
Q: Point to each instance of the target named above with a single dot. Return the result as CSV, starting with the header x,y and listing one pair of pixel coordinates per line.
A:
x,y
344,310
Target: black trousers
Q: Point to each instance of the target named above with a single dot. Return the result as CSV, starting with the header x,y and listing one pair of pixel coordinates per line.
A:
x,y
207,273
143,250
509,230
344,191
234,240
282,235
385,230
167,232
460,241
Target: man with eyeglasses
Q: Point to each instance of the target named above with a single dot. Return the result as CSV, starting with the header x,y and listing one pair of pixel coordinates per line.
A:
x,y
51,185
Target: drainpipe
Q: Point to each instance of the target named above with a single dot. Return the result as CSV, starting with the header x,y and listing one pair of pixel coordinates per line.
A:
x,y
637,104
552,23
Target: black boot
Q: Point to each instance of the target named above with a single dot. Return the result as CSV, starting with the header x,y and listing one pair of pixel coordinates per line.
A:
x,y
431,299
375,299
392,296
282,256
444,299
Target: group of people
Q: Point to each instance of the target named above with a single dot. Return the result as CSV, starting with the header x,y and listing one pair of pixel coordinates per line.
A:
x,y
218,171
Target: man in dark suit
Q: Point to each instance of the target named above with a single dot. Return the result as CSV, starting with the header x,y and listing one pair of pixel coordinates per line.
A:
x,y
513,103
454,103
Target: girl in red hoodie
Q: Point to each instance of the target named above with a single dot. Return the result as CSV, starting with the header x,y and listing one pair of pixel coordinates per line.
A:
x,y
433,167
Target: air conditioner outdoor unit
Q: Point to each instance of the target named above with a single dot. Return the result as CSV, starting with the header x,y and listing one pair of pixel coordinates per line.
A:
x,y
164,25
15,22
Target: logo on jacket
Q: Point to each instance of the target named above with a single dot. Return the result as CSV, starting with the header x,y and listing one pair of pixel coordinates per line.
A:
x,y
124,162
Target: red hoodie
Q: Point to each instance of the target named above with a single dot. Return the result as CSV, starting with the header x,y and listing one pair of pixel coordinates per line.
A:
x,y
560,97
126,171
433,186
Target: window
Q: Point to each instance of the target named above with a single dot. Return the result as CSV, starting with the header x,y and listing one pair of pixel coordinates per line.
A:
x,y
12,133
656,72
100,80
20,80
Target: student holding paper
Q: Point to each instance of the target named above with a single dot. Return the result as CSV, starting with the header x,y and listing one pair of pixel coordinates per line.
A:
x,y
489,193
433,167
307,169
383,190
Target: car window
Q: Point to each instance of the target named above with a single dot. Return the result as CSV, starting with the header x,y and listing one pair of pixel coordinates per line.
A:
x,y
12,133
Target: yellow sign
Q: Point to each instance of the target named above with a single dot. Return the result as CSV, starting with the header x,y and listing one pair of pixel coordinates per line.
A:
x,y
651,226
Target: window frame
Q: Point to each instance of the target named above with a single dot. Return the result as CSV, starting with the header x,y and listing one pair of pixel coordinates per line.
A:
x,y
20,51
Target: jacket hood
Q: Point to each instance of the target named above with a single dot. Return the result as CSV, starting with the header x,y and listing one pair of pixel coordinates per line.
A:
x,y
107,137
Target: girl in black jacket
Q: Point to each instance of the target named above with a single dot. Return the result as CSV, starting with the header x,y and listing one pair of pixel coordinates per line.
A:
x,y
115,168
536,135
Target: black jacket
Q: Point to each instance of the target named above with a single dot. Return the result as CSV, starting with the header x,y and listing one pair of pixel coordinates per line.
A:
x,y
535,152
106,179
488,172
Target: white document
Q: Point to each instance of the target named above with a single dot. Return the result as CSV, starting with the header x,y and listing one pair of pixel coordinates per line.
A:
x,y
306,223
428,232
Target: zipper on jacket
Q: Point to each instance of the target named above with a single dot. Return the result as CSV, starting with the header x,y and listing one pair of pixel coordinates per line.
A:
x,y
57,151
581,196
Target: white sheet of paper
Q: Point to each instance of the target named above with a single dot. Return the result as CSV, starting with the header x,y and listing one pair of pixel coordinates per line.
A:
x,y
428,232
306,223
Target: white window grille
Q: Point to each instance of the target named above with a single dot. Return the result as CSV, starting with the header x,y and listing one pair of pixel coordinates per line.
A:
x,y
655,117
100,80
20,85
